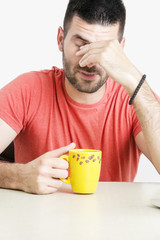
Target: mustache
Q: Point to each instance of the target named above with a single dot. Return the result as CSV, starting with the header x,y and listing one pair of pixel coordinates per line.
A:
x,y
93,69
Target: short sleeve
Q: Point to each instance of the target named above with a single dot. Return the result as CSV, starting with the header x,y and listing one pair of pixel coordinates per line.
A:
x,y
15,100
136,124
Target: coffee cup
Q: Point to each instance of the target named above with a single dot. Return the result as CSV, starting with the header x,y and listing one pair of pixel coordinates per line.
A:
x,y
84,170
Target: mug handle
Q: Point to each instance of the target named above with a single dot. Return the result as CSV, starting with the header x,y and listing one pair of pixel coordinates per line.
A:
x,y
65,180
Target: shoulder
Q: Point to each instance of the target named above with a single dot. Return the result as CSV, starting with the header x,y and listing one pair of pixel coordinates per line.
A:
x,y
35,79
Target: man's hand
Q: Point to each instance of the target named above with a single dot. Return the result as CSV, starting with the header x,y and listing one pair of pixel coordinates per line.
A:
x,y
111,57
41,176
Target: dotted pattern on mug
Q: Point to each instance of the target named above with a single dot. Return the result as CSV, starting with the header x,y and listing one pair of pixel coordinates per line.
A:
x,y
87,159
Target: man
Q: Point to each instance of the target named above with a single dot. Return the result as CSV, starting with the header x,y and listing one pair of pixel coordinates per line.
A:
x,y
47,113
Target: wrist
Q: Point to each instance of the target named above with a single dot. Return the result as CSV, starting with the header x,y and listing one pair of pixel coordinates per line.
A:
x,y
10,175
137,89
132,82
19,179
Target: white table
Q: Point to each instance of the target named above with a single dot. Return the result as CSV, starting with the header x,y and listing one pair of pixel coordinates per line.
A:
x,y
117,211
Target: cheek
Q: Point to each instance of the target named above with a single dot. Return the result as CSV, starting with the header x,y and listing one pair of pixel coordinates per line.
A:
x,y
70,53
68,49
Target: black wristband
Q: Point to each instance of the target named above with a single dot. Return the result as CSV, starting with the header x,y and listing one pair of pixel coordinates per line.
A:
x,y
137,89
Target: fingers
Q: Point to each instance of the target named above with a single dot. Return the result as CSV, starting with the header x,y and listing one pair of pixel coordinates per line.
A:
x,y
59,163
52,162
58,173
54,183
60,151
48,171
90,54
41,176
47,186
98,52
88,60
84,49
101,46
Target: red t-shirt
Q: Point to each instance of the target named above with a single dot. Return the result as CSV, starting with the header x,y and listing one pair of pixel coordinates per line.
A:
x,y
37,106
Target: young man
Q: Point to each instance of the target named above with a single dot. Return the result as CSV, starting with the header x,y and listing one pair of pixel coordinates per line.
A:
x,y
85,104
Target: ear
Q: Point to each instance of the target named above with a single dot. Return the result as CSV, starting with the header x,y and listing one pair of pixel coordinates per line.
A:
x,y
60,37
123,42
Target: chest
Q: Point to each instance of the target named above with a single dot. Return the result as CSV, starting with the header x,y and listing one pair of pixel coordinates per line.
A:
x,y
59,123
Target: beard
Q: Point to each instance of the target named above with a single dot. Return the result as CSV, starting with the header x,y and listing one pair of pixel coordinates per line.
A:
x,y
82,85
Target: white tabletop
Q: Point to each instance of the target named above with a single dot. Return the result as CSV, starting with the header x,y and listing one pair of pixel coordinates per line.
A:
x,y
116,211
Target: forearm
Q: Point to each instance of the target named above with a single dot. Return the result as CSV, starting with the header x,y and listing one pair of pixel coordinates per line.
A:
x,y
10,175
110,56
148,112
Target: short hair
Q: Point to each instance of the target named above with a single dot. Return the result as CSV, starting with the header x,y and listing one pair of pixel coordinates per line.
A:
x,y
104,12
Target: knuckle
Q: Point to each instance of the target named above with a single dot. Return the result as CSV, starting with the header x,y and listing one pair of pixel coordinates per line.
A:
x,y
38,181
39,189
42,161
41,171
41,186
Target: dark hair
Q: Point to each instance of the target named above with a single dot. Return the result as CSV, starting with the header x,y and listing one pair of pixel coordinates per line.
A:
x,y
104,12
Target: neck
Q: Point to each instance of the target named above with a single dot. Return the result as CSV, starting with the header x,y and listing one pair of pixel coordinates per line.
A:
x,y
84,98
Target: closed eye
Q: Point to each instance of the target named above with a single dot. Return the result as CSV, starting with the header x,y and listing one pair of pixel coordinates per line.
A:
x,y
80,41
79,45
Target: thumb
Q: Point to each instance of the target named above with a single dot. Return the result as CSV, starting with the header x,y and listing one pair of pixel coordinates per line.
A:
x,y
60,151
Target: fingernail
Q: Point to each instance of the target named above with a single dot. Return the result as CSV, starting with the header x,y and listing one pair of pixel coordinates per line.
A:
x,y
81,64
72,144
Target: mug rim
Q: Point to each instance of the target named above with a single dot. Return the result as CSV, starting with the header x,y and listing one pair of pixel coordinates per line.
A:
x,y
85,150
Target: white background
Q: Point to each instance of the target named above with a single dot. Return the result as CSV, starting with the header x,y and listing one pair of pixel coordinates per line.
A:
x,y
28,32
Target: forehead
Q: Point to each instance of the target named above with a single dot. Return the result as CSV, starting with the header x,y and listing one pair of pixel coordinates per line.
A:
x,y
92,32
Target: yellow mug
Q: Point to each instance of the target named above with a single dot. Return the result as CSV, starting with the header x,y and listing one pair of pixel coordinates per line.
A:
x,y
84,168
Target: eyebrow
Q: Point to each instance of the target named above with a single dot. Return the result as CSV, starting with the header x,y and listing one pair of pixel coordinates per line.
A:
x,y
77,36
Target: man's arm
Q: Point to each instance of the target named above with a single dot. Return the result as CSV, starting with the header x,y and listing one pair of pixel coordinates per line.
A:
x,y
110,56
142,145
148,112
40,176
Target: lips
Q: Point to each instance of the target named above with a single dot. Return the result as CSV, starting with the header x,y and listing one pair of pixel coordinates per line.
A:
x,y
87,75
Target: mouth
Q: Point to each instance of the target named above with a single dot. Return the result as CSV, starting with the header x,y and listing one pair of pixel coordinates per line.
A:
x,y
88,75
